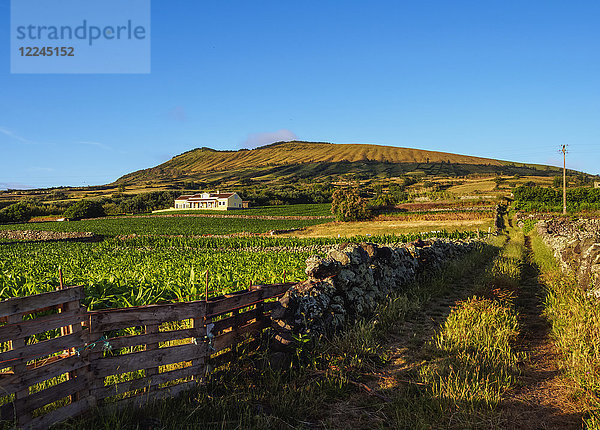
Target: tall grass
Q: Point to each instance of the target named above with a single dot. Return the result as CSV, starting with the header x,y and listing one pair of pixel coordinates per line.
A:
x,y
477,362
575,319
474,357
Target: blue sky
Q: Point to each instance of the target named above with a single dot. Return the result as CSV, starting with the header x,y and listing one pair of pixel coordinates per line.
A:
x,y
502,79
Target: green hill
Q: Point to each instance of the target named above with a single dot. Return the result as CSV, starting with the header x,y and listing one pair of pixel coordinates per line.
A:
x,y
293,160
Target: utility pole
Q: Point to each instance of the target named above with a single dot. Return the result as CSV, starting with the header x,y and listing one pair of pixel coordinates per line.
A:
x,y
564,152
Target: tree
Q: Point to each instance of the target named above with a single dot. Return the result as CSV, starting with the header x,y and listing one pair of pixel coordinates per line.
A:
x,y
18,212
348,205
84,209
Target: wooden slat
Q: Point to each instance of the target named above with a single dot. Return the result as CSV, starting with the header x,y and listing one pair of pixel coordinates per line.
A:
x,y
22,305
33,376
19,370
41,324
152,314
144,399
68,411
229,339
40,349
200,361
235,320
227,304
151,346
148,381
229,356
164,336
44,397
274,290
146,359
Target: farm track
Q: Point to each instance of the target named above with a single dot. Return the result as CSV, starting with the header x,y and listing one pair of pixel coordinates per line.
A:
x,y
407,351
541,398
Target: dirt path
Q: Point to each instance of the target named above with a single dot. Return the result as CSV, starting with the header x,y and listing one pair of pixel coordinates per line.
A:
x,y
541,399
407,350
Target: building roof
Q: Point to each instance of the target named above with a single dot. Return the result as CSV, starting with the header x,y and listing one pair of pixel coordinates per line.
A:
x,y
199,197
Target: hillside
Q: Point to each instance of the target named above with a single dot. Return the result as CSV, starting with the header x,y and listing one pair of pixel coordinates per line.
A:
x,y
318,159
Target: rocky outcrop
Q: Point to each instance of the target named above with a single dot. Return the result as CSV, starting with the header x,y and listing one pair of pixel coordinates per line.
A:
x,y
354,278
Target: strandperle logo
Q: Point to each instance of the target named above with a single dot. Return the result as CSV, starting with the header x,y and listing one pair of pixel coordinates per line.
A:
x,y
80,36
82,32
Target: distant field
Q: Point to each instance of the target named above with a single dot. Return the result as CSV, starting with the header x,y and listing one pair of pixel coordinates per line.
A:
x,y
440,215
473,187
186,226
399,226
321,209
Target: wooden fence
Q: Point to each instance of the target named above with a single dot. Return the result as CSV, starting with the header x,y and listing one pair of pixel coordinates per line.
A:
x,y
58,360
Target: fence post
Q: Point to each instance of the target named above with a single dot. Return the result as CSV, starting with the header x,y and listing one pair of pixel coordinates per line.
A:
x,y
151,329
19,369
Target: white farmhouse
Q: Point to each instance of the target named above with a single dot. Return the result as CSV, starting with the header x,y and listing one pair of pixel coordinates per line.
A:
x,y
218,201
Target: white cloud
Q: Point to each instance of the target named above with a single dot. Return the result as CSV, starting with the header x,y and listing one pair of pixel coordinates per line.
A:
x,y
15,136
255,140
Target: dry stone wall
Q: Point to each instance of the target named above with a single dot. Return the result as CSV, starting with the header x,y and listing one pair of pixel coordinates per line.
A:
x,y
576,246
354,278
35,235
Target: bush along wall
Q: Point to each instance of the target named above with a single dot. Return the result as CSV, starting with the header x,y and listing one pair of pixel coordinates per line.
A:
x,y
353,279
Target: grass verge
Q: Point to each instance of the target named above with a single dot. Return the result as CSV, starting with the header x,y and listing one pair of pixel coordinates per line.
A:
x,y
575,319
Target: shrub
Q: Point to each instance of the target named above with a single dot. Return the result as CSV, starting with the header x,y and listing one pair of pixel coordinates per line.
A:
x,y
18,212
84,209
348,205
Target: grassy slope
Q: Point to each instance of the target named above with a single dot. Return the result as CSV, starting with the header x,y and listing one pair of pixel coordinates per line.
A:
x,y
313,157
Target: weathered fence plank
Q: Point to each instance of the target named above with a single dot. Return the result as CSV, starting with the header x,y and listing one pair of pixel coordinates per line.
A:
x,y
45,396
68,411
235,320
163,336
228,339
40,349
157,379
40,325
146,359
34,375
29,304
141,316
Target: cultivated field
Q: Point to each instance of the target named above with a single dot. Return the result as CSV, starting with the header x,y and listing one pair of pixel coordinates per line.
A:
x,y
187,226
152,259
376,227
